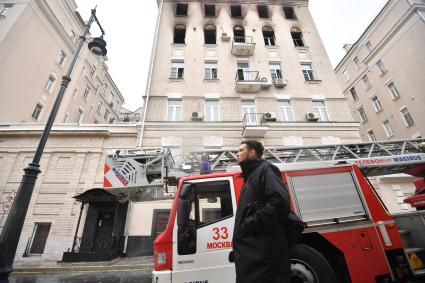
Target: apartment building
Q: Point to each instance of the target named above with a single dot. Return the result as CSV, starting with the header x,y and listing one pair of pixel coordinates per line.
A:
x,y
223,71
37,41
381,74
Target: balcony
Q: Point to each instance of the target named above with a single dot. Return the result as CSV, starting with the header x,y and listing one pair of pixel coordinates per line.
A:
x,y
254,125
243,46
129,117
247,81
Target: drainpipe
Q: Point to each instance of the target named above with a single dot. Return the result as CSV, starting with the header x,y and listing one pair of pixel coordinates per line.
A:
x,y
148,86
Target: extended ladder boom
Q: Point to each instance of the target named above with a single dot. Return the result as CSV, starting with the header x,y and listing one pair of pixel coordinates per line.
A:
x,y
151,168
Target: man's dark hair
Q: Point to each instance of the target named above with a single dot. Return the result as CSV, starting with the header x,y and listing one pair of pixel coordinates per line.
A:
x,y
255,145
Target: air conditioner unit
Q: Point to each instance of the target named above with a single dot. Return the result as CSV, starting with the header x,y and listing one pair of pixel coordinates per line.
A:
x,y
270,116
312,116
196,116
265,83
280,82
225,36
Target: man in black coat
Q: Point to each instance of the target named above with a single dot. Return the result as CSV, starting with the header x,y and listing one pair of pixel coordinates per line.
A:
x,y
260,248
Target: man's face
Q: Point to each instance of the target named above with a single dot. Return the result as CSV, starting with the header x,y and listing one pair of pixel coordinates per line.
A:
x,y
245,153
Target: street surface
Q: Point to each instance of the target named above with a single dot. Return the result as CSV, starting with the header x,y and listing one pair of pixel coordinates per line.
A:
x,y
129,276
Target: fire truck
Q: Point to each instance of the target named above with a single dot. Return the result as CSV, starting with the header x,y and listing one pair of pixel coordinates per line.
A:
x,y
350,236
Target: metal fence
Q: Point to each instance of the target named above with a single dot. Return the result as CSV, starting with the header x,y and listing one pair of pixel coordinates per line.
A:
x,y
247,76
243,39
254,119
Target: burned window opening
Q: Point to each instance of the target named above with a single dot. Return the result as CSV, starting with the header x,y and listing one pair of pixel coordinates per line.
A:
x,y
297,37
181,9
239,34
236,11
209,10
263,11
210,34
269,37
289,13
179,34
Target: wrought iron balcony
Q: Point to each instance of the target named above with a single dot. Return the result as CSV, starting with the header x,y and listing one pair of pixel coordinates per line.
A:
x,y
243,46
254,125
247,81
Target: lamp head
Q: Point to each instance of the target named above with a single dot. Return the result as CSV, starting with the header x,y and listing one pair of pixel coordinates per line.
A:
x,y
98,46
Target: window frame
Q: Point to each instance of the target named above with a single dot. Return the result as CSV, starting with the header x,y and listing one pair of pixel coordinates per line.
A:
x,y
388,129
362,114
381,68
37,112
176,110
212,67
320,110
212,111
346,74
276,73
376,103
79,117
353,93
285,111
49,85
366,82
357,62
205,10
310,73
371,135
61,58
177,65
369,46
184,6
403,116
232,10
393,90
263,9
292,12
86,93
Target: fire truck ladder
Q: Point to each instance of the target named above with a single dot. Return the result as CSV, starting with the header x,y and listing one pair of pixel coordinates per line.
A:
x,y
153,169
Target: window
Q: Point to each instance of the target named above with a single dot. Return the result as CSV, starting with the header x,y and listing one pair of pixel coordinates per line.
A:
x,y
320,109
357,62
93,71
239,34
371,135
160,221
61,58
5,9
174,110
243,73
86,93
210,70
381,68
49,83
354,93
268,35
248,112
307,71
181,9
209,10
79,116
65,118
285,110
263,11
209,202
38,240
236,11
388,129
177,69
366,82
363,117
72,35
297,37
106,116
210,34
289,13
408,120
212,111
275,71
369,46
376,104
393,90
99,107
346,75
179,34
37,111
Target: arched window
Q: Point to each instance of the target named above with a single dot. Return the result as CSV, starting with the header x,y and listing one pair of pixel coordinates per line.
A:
x,y
268,35
179,34
239,34
297,37
209,34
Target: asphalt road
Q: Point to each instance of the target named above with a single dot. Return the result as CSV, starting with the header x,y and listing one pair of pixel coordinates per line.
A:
x,y
87,277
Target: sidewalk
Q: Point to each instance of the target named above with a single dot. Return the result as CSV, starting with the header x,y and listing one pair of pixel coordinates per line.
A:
x,y
119,264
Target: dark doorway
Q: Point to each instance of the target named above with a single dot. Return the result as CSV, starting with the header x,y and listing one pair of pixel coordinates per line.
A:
x,y
38,239
103,234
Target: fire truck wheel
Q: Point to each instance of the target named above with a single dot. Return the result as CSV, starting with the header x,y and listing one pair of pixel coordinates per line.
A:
x,y
310,266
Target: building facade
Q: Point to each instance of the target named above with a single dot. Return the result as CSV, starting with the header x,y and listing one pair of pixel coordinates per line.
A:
x,y
381,74
228,70
37,41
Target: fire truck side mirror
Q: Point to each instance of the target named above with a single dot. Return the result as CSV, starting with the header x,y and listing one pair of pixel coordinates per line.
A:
x,y
183,211
185,191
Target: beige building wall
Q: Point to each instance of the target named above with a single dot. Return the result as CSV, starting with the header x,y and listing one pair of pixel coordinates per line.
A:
x,y
72,163
193,90
394,67
37,41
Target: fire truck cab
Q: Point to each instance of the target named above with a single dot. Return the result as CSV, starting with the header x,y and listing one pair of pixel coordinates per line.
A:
x,y
349,237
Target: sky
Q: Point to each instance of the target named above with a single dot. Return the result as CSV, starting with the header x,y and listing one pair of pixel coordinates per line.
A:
x,y
130,26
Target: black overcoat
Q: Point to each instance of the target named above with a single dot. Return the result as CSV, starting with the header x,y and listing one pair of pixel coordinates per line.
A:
x,y
260,248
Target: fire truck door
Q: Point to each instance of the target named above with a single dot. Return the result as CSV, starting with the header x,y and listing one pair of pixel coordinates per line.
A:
x,y
201,254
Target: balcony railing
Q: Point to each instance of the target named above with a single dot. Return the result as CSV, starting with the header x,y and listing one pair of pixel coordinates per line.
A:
x,y
254,125
129,117
243,45
247,76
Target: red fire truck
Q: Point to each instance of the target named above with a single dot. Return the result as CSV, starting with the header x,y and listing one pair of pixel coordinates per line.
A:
x,y
350,236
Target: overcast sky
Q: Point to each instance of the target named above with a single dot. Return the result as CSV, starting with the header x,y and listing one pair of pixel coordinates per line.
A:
x,y
130,27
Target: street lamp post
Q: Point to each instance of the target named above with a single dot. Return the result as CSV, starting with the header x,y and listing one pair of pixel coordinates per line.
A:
x,y
11,232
